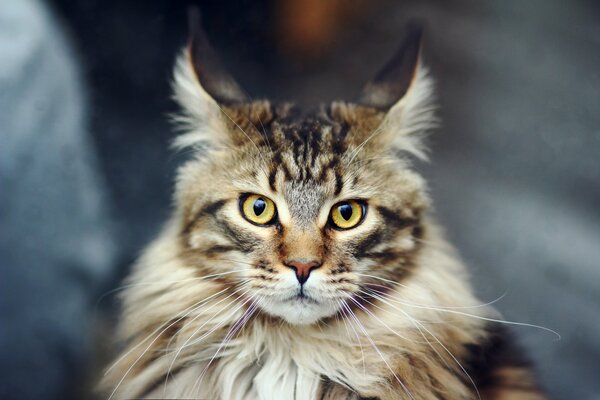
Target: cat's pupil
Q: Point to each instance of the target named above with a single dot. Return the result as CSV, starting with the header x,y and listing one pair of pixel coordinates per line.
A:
x,y
259,207
346,211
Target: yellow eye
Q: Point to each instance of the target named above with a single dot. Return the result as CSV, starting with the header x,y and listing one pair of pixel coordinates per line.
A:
x,y
347,214
258,209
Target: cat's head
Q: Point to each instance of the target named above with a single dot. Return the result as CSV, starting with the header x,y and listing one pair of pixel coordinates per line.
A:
x,y
299,211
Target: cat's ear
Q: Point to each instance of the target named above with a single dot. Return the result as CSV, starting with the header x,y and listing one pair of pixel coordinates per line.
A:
x,y
404,91
202,87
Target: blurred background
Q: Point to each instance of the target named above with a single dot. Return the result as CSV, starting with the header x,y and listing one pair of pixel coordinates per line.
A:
x,y
86,172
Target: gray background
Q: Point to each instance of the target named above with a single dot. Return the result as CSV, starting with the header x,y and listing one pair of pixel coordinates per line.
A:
x,y
514,173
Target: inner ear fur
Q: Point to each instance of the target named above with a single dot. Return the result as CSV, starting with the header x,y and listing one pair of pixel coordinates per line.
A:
x,y
206,93
403,91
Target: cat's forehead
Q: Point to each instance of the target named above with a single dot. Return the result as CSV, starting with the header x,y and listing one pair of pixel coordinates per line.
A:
x,y
308,155
323,128
291,116
307,133
305,164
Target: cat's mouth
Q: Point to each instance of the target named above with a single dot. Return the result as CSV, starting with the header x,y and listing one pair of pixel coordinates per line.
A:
x,y
299,307
301,298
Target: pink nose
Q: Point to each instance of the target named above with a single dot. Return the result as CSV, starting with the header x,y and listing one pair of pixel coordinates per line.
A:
x,y
302,268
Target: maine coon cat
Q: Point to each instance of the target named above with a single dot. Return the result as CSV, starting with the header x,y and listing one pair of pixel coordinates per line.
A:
x,y
301,262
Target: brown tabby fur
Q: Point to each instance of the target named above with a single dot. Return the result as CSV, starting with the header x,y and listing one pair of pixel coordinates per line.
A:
x,y
390,313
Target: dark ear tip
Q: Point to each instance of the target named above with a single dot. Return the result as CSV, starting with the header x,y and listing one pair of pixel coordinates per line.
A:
x,y
206,64
194,17
195,28
415,29
413,37
394,79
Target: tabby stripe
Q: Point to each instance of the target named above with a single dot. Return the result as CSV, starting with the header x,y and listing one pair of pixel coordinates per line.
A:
x,y
324,169
315,147
339,182
209,209
372,239
384,256
219,249
238,236
272,176
393,218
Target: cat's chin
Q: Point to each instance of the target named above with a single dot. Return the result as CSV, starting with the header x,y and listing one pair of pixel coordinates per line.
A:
x,y
299,310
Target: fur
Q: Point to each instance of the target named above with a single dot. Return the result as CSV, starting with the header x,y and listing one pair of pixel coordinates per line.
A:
x,y
212,311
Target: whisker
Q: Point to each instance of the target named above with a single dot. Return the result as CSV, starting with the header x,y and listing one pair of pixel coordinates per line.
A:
x,y
199,304
362,145
415,322
187,311
451,311
244,132
230,334
371,292
242,283
167,260
132,285
185,344
379,320
264,131
196,341
231,260
357,338
377,350
449,353
382,279
497,299
343,319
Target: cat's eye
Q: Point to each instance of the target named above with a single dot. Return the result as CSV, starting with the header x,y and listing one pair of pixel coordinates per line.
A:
x,y
347,214
259,210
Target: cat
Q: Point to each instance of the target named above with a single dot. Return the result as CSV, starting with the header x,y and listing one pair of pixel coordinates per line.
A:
x,y
301,261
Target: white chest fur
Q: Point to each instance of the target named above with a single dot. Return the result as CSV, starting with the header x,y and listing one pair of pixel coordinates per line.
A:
x,y
277,376
286,365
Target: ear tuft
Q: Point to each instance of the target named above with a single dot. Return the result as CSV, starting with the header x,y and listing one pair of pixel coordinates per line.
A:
x,y
201,86
413,117
201,117
405,89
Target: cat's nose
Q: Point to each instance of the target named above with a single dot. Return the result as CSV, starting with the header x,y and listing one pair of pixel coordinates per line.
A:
x,y
303,268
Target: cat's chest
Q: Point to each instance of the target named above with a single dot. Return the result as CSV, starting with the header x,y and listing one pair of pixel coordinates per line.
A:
x,y
276,373
278,369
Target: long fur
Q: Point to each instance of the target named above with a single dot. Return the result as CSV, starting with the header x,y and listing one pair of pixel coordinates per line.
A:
x,y
392,314
200,119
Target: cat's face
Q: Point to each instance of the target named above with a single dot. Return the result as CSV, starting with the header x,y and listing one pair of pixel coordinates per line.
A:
x,y
303,207
297,212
